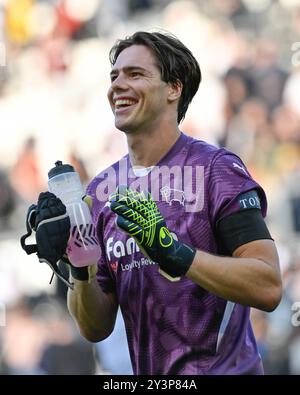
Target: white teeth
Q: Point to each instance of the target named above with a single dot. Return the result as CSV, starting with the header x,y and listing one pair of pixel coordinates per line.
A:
x,y
123,102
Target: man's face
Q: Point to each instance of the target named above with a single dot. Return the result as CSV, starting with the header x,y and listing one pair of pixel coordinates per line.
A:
x,y
137,95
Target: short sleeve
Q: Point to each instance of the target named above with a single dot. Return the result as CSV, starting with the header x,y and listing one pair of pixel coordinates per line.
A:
x,y
104,277
228,179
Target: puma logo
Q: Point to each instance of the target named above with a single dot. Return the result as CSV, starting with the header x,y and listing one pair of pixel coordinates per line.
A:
x,y
240,167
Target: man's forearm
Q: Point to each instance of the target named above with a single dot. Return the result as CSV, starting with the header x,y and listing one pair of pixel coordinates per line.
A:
x,y
93,310
246,280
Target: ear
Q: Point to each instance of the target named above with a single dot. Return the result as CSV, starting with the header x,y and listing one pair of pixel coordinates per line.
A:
x,y
175,90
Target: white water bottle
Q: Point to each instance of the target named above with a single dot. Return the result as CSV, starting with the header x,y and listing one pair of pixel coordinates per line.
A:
x,y
83,248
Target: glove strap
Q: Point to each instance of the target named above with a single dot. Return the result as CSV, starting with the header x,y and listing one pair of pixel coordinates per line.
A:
x,y
85,273
178,262
30,220
59,274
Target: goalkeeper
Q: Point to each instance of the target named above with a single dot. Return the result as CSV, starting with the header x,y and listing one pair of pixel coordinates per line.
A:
x,y
184,280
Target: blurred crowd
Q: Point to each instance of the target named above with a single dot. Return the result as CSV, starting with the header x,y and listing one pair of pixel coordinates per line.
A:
x,y
54,75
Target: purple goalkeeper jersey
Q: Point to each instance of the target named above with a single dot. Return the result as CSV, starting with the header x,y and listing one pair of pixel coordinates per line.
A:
x,y
177,327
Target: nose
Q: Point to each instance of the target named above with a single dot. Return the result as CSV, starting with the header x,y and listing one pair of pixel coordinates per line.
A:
x,y
118,83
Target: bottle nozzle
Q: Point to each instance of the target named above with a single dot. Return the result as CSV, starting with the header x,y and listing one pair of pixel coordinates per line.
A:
x,y
60,168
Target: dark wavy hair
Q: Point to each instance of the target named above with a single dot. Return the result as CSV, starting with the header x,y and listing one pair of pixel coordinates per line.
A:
x,y
175,61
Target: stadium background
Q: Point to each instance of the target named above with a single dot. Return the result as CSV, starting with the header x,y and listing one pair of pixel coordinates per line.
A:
x,y
54,74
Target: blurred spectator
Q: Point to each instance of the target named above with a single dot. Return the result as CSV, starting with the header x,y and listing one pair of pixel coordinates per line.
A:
x,y
234,10
25,176
237,84
67,21
286,125
55,52
112,13
22,351
49,343
137,5
65,351
267,78
246,127
7,199
292,88
79,166
17,20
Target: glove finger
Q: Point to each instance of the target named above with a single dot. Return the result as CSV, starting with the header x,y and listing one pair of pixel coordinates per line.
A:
x,y
49,206
128,213
45,196
131,228
48,199
123,192
50,212
51,203
140,201
126,199
119,194
147,224
132,199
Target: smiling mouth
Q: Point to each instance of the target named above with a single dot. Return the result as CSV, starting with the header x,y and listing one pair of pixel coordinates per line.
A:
x,y
124,104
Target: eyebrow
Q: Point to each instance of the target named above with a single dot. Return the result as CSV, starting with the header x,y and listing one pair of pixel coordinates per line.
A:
x,y
127,69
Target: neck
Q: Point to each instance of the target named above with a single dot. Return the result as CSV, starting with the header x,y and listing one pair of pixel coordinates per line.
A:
x,y
146,149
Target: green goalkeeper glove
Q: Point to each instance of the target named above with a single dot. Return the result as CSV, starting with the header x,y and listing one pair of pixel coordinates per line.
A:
x,y
139,216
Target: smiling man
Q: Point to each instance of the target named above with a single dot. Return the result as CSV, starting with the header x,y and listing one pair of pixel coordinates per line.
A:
x,y
141,107
184,279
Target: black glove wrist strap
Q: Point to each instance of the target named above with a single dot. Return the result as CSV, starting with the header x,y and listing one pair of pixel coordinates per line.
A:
x,y
30,220
79,273
178,262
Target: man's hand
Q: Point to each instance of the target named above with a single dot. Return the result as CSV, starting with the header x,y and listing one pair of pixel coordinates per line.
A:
x,y
52,226
51,222
139,216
